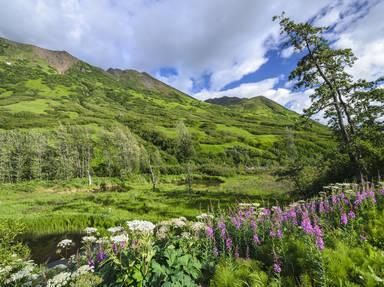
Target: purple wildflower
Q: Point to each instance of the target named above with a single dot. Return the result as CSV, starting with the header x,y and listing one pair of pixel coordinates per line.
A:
x,y
253,225
344,219
236,222
91,263
101,256
222,227
209,232
320,243
306,223
256,239
215,251
228,244
363,238
276,267
351,214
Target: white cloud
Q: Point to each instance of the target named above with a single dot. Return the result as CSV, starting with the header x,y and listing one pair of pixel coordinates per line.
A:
x,y
366,38
248,90
224,38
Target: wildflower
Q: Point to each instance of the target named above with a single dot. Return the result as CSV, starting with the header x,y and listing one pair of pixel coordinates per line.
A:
x,y
61,279
84,269
198,226
363,238
228,244
119,238
65,243
90,230
222,228
177,222
276,267
209,232
204,216
320,243
91,263
236,222
141,226
344,219
101,255
215,251
89,239
256,239
162,232
116,229
306,223
253,225
351,214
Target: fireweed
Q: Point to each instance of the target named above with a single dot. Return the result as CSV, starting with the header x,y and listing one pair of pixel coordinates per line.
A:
x,y
128,253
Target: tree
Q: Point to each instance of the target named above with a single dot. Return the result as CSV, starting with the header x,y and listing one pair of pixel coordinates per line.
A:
x,y
185,150
323,69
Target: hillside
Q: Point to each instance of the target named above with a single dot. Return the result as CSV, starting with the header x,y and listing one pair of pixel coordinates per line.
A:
x,y
42,90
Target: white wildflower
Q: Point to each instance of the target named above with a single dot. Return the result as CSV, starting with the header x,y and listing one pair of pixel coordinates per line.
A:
x,y
119,238
204,216
89,239
141,226
60,280
177,222
90,230
61,266
84,269
66,243
116,229
197,226
162,232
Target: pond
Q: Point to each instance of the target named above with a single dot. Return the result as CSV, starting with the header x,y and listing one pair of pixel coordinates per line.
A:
x,y
43,248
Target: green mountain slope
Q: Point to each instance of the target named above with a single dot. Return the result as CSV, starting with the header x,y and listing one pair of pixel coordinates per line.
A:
x,y
42,90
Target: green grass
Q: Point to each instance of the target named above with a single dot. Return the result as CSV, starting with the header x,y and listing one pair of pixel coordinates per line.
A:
x,y
59,207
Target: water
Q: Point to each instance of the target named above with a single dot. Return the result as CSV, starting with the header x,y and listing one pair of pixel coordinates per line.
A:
x,y
43,248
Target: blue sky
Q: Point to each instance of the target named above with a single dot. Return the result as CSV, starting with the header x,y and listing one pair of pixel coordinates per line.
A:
x,y
205,48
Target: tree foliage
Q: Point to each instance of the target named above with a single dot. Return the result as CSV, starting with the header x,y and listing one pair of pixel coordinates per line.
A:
x,y
354,109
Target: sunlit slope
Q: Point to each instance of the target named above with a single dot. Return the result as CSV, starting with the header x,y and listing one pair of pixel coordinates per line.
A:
x,y
43,89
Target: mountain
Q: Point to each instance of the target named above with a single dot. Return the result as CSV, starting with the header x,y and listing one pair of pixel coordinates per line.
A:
x,y
259,104
42,90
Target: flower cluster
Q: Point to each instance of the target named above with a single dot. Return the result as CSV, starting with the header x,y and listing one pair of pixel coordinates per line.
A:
x,y
141,226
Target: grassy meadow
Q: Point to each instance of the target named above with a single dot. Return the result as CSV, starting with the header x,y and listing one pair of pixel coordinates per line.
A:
x,y
60,206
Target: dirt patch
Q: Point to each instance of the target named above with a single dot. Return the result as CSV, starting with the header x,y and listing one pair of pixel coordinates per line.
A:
x,y
61,61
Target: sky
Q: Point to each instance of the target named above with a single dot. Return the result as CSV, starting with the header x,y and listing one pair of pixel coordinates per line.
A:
x,y
205,48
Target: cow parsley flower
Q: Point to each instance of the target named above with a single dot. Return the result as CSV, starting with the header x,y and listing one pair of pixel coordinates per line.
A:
x,y
116,229
65,243
120,238
89,239
60,280
141,226
198,226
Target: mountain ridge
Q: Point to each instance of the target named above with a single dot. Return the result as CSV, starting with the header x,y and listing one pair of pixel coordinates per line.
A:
x,y
36,95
